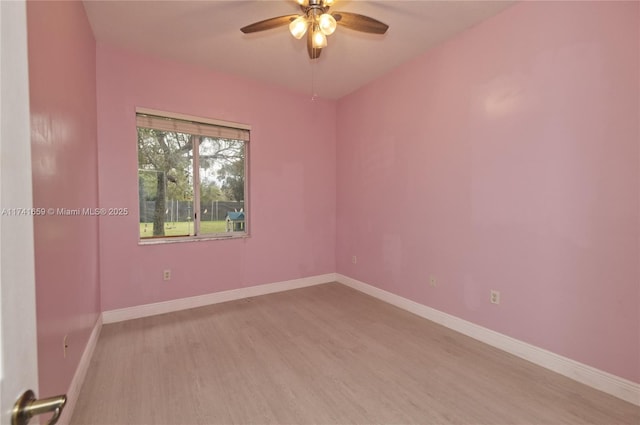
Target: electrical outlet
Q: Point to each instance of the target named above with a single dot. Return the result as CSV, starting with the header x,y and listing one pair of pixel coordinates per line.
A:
x,y
495,297
65,345
354,259
166,275
432,281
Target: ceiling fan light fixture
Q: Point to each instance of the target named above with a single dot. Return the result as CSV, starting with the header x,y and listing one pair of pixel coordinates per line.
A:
x,y
327,24
298,27
318,40
317,23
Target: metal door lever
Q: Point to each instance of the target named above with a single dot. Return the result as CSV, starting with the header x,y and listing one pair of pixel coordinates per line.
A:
x,y
28,406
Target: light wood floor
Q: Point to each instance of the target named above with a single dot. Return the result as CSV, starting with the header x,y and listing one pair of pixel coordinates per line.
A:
x,y
323,355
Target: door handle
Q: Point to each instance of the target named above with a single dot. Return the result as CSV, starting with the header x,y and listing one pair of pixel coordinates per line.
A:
x,y
27,406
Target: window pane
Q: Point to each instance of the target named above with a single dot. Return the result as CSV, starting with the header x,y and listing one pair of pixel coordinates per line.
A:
x,y
165,183
222,182
178,199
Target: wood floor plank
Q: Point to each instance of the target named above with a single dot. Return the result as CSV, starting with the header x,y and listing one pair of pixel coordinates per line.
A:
x,y
321,355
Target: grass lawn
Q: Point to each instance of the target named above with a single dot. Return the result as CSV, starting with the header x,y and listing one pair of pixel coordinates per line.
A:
x,y
184,228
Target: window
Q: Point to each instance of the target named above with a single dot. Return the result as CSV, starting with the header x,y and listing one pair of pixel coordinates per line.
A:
x,y
192,177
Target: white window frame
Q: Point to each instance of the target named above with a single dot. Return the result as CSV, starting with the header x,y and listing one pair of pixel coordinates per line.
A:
x,y
196,177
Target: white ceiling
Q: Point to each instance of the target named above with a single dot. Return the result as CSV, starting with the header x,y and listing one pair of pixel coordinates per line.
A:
x,y
207,33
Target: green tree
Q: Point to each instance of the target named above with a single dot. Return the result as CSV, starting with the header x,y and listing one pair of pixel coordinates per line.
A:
x,y
210,192
232,177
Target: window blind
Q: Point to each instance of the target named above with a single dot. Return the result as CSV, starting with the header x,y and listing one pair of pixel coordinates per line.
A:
x,y
191,127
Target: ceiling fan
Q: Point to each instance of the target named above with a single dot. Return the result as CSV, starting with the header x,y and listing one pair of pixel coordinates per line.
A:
x,y
316,17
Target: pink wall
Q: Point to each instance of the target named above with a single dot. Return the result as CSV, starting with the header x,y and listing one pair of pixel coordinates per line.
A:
x,y
507,159
292,182
62,80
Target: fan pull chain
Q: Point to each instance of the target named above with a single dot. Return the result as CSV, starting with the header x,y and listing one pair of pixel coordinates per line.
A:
x,y
314,95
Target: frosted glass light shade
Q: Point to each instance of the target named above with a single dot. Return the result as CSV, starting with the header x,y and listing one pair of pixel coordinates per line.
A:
x,y
299,27
327,24
319,40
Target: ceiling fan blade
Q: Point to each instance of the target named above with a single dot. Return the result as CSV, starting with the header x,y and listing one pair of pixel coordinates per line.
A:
x,y
314,52
268,24
358,22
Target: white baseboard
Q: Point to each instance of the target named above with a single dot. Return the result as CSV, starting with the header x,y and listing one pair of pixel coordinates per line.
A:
x,y
598,379
146,310
81,372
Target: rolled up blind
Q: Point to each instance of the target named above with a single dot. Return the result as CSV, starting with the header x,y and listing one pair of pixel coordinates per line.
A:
x,y
191,127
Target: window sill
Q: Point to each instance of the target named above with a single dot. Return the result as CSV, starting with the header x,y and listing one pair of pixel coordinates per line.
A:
x,y
179,239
